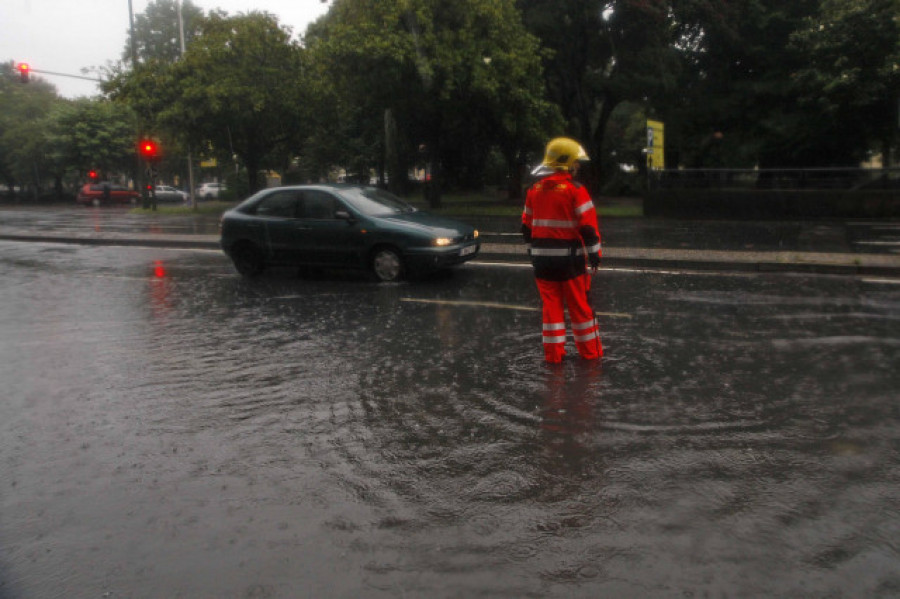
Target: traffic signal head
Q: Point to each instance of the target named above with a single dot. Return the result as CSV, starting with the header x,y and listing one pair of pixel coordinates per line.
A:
x,y
92,175
24,70
148,149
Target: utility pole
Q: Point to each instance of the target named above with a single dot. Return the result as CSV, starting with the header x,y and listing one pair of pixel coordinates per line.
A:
x,y
189,157
138,179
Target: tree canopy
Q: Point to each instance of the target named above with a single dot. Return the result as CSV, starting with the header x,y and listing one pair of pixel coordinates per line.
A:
x,y
473,88
452,80
156,31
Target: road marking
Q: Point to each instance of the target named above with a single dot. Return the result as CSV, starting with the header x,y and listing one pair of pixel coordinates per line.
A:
x,y
497,305
470,304
882,281
623,269
650,270
521,265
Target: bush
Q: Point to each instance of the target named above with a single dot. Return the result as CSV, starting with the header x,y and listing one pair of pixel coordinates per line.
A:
x,y
238,187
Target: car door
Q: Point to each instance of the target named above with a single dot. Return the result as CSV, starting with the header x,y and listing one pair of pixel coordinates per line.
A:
x,y
333,241
285,234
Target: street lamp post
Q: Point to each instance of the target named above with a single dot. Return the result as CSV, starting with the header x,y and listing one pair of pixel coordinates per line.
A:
x,y
189,157
138,179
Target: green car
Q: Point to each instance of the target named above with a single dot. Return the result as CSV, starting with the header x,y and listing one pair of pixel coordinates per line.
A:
x,y
342,226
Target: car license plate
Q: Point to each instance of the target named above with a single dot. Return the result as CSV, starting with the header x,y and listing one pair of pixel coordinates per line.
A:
x,y
468,250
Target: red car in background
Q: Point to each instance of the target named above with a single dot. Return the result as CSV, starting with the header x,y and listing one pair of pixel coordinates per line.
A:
x,y
106,193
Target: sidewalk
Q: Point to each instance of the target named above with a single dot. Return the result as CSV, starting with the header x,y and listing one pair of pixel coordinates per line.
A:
x,y
743,261
846,248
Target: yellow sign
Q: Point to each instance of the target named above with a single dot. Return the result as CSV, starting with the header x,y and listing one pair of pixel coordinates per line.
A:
x,y
656,158
211,163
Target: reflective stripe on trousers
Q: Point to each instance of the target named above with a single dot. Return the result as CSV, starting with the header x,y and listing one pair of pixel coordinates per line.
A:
x,y
556,296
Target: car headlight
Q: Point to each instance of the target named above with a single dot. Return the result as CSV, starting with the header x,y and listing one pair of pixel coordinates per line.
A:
x,y
475,234
442,241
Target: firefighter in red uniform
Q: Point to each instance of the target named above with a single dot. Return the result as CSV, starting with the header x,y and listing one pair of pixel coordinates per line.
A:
x,y
560,223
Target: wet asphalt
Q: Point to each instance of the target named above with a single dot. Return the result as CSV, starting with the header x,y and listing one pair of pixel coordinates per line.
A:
x,y
853,247
169,429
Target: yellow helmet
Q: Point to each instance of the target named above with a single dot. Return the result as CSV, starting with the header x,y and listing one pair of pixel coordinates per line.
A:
x,y
562,153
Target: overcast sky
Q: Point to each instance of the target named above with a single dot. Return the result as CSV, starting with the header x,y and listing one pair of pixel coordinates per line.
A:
x,y
65,36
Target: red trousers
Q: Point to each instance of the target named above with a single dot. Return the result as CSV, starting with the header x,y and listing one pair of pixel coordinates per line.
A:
x,y
555,296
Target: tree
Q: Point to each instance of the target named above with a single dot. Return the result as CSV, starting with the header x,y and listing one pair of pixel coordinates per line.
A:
x,y
90,134
467,74
601,53
23,110
776,84
850,82
736,102
156,31
237,91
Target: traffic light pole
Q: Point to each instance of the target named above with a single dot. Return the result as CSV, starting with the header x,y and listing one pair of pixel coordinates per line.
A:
x,y
190,158
150,189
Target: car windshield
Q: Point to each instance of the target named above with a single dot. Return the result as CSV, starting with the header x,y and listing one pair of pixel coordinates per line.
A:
x,y
375,202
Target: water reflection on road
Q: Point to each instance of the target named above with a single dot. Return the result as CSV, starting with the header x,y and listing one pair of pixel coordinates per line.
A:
x,y
173,427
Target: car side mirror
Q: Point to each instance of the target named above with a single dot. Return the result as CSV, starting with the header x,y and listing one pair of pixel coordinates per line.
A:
x,y
344,215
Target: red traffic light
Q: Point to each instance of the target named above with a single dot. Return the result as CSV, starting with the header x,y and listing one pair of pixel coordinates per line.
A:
x,y
92,175
24,70
148,149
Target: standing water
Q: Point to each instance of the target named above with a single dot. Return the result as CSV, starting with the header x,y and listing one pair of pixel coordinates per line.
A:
x,y
169,429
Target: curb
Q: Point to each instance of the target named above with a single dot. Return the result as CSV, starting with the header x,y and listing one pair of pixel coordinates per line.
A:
x,y
841,264
169,241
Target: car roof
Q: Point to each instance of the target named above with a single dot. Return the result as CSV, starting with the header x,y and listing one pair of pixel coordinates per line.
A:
x,y
331,186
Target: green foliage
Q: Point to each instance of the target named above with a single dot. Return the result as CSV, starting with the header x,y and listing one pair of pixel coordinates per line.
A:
x,y
45,139
851,80
240,89
780,84
89,134
156,33
472,89
601,53
468,71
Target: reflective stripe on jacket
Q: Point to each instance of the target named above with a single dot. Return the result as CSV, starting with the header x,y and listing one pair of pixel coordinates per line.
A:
x,y
560,222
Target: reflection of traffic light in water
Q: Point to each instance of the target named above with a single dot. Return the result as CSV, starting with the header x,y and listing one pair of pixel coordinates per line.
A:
x,y
161,302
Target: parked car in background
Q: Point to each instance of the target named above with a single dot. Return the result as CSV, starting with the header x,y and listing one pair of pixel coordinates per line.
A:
x,y
165,193
342,226
209,191
105,192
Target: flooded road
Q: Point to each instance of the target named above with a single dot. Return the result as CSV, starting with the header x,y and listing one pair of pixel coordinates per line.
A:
x,y
168,429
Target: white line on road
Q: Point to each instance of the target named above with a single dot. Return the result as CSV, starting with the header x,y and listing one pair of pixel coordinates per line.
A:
x,y
497,305
881,281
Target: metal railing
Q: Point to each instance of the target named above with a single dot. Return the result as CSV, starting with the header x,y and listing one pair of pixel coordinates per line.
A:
x,y
851,179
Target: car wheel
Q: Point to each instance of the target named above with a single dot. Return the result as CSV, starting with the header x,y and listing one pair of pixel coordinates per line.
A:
x,y
248,260
387,265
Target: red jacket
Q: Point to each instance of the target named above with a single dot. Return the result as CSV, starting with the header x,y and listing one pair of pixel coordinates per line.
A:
x,y
560,222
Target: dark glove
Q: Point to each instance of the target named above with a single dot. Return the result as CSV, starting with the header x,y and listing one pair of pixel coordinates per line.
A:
x,y
594,259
